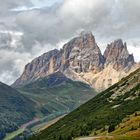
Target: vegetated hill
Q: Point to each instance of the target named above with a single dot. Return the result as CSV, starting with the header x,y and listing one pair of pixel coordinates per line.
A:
x,y
129,125
15,109
105,111
128,129
56,94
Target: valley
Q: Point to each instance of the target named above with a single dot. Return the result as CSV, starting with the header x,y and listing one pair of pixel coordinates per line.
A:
x,y
60,81
47,99
15,109
34,126
69,70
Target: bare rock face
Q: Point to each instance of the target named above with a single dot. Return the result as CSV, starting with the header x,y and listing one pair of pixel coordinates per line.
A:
x,y
81,60
40,67
117,54
81,54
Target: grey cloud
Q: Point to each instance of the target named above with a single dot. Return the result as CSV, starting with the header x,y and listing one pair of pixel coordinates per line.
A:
x,y
10,64
59,23
44,28
112,18
9,4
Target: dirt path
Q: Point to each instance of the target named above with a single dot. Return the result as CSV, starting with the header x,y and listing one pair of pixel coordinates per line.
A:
x,y
88,138
24,126
93,138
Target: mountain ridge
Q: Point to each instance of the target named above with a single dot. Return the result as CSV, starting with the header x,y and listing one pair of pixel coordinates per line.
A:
x,y
81,59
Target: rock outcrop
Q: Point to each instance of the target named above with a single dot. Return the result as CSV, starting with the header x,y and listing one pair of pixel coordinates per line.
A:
x,y
117,54
81,59
41,66
81,54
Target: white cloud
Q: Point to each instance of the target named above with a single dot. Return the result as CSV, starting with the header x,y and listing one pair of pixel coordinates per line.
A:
x,y
135,51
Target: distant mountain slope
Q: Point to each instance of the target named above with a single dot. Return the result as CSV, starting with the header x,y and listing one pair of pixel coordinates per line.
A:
x,y
58,94
15,109
105,111
81,60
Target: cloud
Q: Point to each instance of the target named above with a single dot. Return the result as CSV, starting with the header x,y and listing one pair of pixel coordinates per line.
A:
x,y
47,27
10,64
61,22
6,5
107,19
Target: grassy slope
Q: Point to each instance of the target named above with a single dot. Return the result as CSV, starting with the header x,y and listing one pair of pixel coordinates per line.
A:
x,y
100,112
13,134
129,125
128,129
56,93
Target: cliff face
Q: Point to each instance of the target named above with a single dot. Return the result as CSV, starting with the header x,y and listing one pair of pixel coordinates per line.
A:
x,y
82,54
118,63
40,67
117,54
81,59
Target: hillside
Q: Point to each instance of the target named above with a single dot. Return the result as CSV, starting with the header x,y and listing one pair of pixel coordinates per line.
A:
x,y
129,125
105,111
56,94
15,109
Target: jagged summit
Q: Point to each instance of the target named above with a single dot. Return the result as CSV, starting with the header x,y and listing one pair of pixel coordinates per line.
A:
x,y
81,54
117,54
84,40
81,59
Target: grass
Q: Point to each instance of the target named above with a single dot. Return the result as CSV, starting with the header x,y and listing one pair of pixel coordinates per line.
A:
x,y
129,124
118,138
62,96
44,125
10,136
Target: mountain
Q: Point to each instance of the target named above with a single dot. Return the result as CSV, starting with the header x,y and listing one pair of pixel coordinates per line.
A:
x,y
118,64
53,95
56,94
81,54
81,60
15,109
103,113
117,54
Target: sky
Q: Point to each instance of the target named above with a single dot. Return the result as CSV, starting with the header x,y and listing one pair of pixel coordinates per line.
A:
x,y
29,28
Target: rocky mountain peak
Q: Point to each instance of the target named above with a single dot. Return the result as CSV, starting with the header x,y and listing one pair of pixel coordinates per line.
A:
x,y
41,66
83,54
83,41
81,59
117,54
